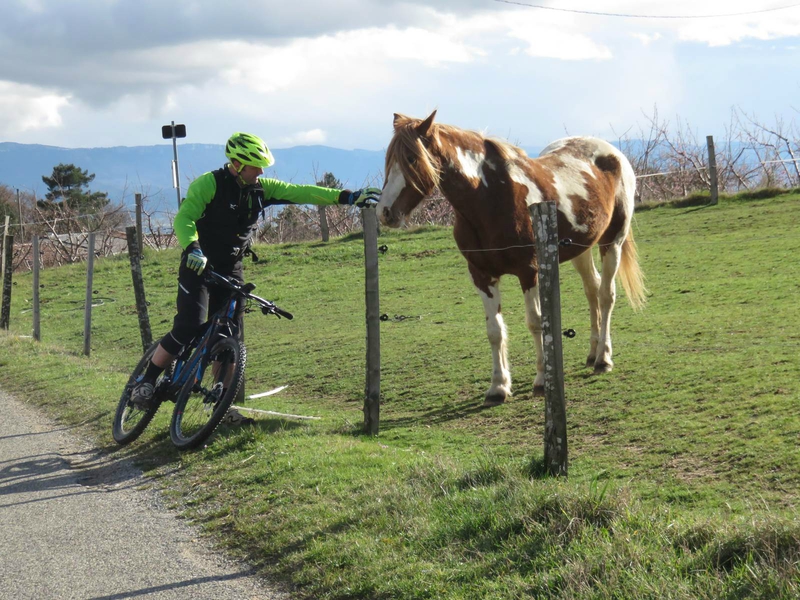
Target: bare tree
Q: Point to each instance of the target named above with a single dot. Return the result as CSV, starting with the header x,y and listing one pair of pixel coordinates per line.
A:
x,y
775,147
671,161
158,232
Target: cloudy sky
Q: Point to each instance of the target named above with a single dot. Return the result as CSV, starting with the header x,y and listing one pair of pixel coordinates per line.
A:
x,y
87,73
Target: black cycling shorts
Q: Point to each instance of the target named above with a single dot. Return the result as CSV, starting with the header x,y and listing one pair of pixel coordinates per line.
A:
x,y
196,300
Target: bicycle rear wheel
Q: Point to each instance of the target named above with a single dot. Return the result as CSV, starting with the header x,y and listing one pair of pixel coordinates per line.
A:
x,y
129,420
207,394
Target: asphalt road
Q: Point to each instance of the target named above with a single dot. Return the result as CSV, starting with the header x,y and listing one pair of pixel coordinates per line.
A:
x,y
78,524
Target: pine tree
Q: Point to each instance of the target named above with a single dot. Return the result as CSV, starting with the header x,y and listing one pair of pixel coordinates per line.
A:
x,y
66,190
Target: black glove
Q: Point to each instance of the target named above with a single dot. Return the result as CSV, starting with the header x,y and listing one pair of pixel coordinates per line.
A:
x,y
361,198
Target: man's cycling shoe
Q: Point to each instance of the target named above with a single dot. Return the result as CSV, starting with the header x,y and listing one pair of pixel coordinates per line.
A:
x,y
234,417
142,395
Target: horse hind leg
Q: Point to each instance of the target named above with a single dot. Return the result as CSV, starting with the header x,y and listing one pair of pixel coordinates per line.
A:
x,y
584,264
496,332
611,256
533,319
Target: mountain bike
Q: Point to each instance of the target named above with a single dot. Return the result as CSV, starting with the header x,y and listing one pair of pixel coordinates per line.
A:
x,y
203,380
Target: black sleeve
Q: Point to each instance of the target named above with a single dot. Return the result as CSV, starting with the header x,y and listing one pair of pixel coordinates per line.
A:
x,y
344,196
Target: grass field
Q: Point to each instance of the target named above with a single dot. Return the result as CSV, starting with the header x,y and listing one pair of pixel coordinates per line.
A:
x,y
684,473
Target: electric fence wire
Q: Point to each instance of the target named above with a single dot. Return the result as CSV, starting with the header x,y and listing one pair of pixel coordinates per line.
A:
x,y
640,16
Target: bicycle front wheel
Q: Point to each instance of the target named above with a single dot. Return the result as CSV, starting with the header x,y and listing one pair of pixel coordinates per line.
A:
x,y
129,420
207,394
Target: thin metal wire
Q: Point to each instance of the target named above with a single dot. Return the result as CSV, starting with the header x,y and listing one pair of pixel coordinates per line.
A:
x,y
645,176
789,160
59,219
638,16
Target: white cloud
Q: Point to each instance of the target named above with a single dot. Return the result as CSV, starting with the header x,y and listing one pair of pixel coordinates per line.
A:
x,y
35,6
711,22
556,37
645,38
303,138
332,60
26,108
725,32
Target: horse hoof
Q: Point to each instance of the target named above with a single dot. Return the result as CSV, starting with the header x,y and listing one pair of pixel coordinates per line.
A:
x,y
494,400
601,368
538,391
590,361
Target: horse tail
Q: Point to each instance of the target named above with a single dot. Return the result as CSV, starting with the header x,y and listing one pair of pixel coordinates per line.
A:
x,y
630,274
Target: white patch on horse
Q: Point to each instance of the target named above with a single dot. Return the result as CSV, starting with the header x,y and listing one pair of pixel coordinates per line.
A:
x,y
395,184
518,176
570,183
471,164
554,146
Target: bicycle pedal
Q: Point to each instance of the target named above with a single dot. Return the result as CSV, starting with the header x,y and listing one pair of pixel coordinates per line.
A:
x,y
215,393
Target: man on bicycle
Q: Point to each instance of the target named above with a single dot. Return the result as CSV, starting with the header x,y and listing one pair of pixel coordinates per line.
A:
x,y
215,223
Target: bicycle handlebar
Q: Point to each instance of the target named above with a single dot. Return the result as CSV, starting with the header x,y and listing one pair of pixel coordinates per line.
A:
x,y
267,307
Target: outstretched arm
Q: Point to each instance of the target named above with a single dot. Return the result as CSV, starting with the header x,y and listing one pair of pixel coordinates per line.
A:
x,y
276,191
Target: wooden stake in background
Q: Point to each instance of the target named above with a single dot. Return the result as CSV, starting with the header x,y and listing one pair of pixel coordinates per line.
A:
x,y
712,169
87,312
138,288
323,223
37,333
139,241
8,267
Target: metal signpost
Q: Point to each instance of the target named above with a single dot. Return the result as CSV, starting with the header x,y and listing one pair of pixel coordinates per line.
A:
x,y
174,131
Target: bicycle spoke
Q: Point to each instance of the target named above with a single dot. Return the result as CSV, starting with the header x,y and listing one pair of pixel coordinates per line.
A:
x,y
130,421
205,398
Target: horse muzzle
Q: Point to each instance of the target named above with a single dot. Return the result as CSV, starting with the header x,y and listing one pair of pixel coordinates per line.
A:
x,y
389,217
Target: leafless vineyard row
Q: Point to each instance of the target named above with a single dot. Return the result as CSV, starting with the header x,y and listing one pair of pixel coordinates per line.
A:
x,y
670,160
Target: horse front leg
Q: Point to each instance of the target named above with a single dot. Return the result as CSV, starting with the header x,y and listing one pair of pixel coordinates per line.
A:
x,y
489,291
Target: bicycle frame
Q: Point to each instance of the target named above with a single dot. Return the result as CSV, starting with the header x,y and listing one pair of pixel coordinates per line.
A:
x,y
184,366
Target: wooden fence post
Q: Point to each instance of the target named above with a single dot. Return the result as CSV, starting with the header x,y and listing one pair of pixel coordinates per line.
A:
x,y
8,267
139,242
37,333
712,169
372,396
323,223
545,228
138,288
87,311
21,224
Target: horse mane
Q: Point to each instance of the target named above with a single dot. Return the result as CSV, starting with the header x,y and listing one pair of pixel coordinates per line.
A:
x,y
418,164
407,150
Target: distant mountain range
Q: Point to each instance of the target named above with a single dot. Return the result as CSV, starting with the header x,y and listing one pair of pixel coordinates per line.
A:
x,y
122,171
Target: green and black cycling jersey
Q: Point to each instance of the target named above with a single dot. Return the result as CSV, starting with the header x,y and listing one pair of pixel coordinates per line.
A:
x,y
219,216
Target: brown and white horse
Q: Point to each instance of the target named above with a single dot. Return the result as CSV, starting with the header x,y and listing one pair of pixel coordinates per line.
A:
x,y
490,185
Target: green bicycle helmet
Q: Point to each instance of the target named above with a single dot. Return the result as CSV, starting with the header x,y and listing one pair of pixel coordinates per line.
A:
x,y
249,150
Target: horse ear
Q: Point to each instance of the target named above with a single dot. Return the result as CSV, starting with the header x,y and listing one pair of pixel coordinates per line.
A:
x,y
397,118
424,128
